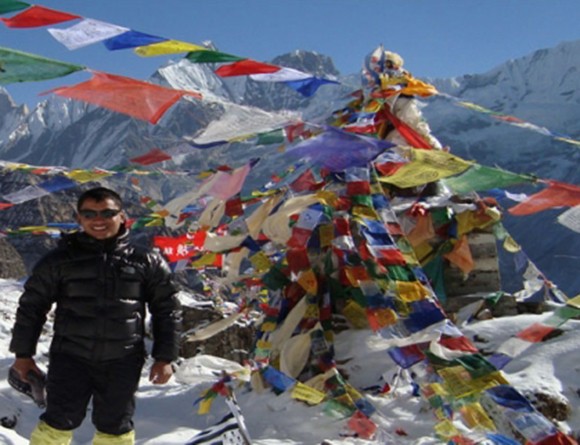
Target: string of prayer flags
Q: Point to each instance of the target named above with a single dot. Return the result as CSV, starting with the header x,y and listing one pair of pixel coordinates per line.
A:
x,y
512,120
37,16
7,6
135,98
17,66
557,194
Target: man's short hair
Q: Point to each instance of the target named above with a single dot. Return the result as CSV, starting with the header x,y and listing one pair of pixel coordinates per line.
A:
x,y
99,194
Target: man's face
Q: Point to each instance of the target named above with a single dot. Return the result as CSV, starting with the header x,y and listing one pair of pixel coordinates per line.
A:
x,y
101,220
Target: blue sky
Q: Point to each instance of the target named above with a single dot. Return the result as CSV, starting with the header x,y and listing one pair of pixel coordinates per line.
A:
x,y
437,38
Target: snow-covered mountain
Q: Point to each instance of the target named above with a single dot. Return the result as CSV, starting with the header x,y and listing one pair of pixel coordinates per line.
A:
x,y
539,88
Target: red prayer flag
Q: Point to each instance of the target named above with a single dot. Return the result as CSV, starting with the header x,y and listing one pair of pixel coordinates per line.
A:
x,y
174,248
458,344
246,67
362,425
36,16
557,194
154,156
535,333
297,259
306,181
141,100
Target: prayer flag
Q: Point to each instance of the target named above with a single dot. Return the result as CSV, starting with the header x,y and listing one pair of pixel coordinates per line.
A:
x,y
230,430
167,47
227,184
86,32
36,16
153,156
208,56
479,177
337,150
245,67
16,66
135,98
281,75
12,5
461,255
57,183
307,87
131,39
426,166
557,194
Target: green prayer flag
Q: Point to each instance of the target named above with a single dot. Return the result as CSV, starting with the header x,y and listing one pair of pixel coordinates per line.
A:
x,y
211,57
11,6
275,279
479,177
400,273
434,271
17,66
271,137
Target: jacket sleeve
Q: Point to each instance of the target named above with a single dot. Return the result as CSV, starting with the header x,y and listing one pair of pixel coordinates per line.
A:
x,y
165,310
39,294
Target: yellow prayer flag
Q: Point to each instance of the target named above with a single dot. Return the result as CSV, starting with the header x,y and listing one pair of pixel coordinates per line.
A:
x,y
446,430
574,301
365,212
157,222
426,166
308,281
260,262
312,396
476,418
312,311
82,176
411,291
33,229
511,245
167,47
356,315
326,197
422,251
326,234
206,260
205,405
268,326
469,220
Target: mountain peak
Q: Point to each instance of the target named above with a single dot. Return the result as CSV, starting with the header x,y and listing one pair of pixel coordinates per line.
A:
x,y
308,61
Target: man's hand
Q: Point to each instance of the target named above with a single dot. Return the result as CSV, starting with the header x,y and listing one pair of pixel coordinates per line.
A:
x,y
160,373
23,366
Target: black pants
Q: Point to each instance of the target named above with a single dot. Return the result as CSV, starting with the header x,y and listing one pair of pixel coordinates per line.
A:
x,y
72,381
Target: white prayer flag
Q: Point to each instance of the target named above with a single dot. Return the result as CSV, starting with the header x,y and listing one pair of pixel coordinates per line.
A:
x,y
28,193
571,218
282,75
85,33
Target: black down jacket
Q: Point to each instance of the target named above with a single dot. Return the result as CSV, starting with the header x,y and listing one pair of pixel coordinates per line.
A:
x,y
101,290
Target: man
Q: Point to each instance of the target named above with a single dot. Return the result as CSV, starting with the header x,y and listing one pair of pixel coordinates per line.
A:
x,y
101,285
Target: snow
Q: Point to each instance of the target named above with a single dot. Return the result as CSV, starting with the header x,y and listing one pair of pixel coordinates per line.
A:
x,y
166,414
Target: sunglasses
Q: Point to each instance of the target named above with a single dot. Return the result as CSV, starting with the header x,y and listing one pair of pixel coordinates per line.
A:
x,y
92,214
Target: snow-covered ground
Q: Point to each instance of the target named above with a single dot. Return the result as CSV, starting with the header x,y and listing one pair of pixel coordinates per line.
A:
x,y
166,414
